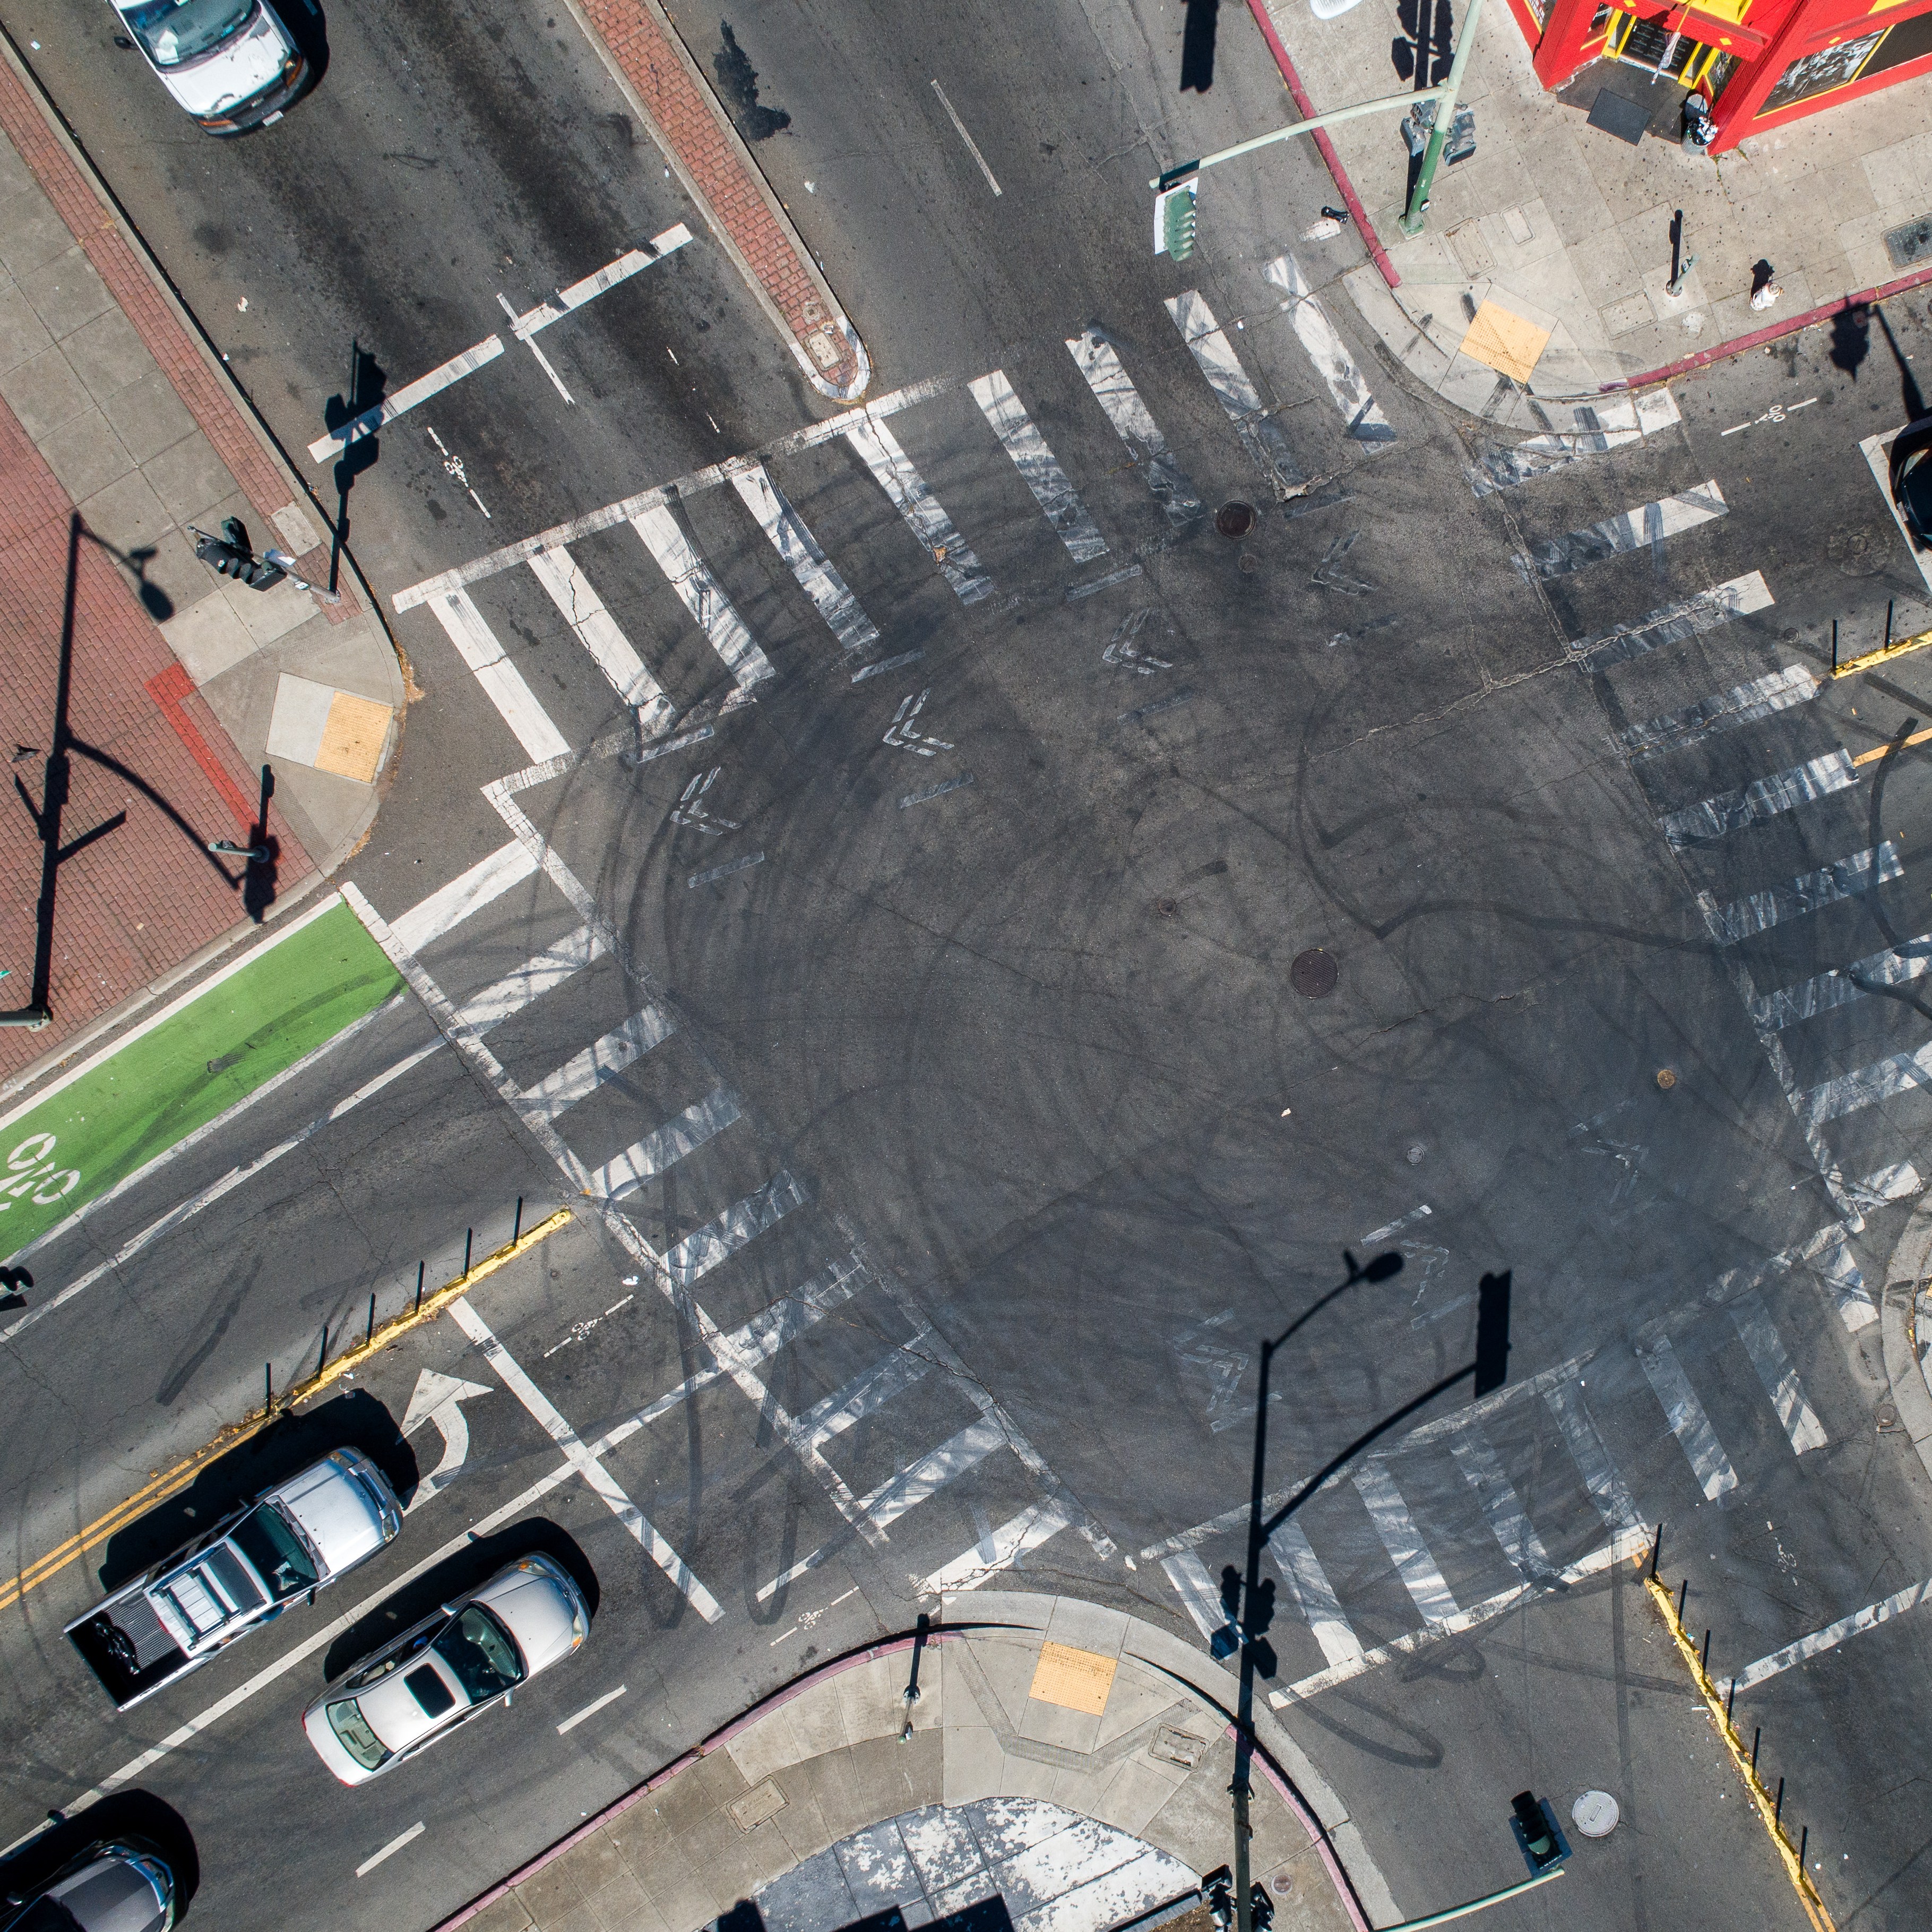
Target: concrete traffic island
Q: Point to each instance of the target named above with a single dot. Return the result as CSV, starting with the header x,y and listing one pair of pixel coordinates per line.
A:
x,y
1068,1759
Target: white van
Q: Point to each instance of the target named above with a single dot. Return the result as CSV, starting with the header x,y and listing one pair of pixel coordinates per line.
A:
x,y
231,64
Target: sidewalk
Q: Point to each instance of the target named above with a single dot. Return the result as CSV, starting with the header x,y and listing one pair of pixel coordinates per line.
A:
x,y
1065,1758
111,404
1563,230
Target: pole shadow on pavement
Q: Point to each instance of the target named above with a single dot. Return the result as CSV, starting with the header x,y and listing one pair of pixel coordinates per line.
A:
x,y
368,382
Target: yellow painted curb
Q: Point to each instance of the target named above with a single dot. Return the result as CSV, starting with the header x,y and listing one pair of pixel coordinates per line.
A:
x,y
1801,1880
1883,655
171,1482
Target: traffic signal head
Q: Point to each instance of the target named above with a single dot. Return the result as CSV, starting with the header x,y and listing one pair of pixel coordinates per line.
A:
x,y
1492,1342
1174,219
1534,1825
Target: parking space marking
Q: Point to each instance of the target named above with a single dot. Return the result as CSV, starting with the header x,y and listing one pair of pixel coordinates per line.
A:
x,y
601,1482
1039,469
1832,1635
484,882
590,1710
389,1850
597,631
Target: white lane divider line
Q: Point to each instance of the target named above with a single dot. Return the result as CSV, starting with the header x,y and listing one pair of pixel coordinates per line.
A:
x,y
1502,1507
800,549
1587,1450
541,974
1006,1548
598,1479
469,892
1674,623
406,398
690,576
1330,355
599,632
698,1253
584,1072
1809,892
1420,1577
1195,1589
1099,363
389,1850
590,1710
1214,354
1896,966
1762,798
663,1147
1742,704
503,683
1851,1093
1688,1421
1314,1595
1039,469
972,145
1644,527
1832,1635
1756,1329
892,469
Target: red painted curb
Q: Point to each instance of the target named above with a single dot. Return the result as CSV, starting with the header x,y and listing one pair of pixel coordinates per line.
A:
x,y
1320,138
1738,345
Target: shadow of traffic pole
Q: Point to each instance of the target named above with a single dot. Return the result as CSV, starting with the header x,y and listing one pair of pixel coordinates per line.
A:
x,y
1910,393
362,398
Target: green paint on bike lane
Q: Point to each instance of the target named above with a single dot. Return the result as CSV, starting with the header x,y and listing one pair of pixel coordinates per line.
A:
x,y
189,1063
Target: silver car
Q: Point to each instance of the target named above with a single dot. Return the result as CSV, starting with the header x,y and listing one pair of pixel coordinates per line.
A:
x,y
109,1888
433,1679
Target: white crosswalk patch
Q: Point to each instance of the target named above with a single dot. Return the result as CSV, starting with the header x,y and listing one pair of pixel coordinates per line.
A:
x,y
664,1147
1099,363
690,576
1809,892
1208,343
1688,1421
1744,704
1330,355
892,469
829,591
1407,1551
1762,799
583,610
1020,437
1643,528
1314,1595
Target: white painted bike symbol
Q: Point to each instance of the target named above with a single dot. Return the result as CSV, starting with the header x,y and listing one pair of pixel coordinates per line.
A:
x,y
30,1170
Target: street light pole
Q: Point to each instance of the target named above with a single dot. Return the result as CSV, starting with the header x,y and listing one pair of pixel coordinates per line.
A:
x,y
1445,115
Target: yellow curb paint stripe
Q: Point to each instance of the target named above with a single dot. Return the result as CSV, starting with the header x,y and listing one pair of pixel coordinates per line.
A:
x,y
1878,751
171,1482
1883,655
1787,1852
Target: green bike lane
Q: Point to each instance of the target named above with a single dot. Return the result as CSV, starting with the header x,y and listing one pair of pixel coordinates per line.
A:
x,y
184,1067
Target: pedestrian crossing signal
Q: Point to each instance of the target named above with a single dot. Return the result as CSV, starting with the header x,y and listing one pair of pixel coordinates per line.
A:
x,y
1174,219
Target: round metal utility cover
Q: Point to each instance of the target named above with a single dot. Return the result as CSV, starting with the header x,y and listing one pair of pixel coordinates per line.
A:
x,y
1249,563
1235,519
1312,973
1594,1814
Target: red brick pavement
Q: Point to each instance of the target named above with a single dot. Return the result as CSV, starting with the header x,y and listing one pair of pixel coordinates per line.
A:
x,y
145,898
736,199
92,224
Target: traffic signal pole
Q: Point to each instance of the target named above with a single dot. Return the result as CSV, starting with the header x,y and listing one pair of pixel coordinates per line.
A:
x,y
1445,115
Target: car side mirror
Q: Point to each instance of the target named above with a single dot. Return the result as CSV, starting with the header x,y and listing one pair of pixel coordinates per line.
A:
x,y
507,1695
121,41
311,1596
448,1610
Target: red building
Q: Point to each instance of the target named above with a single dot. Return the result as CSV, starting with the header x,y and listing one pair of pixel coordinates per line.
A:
x,y
1760,63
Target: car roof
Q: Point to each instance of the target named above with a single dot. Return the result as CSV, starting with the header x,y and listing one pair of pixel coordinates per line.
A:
x,y
390,1709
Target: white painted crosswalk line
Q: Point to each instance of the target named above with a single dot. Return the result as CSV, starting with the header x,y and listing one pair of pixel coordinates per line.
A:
x,y
1832,1635
1829,1253
1502,1508
1020,437
867,1392
1685,1414
1763,799
892,469
602,1483
1744,704
1006,1548
1642,528
698,1254
583,610
537,975
664,1147
799,548
1851,1093
1195,1589
1675,623
1809,892
1314,1595
447,907
1330,355
1214,354
690,576
580,1075
1403,1541
501,681
1592,1459
1099,363
1607,425
1759,1333
1896,966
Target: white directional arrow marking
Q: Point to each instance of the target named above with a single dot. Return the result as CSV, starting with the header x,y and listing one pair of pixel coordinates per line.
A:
x,y
904,730
438,1398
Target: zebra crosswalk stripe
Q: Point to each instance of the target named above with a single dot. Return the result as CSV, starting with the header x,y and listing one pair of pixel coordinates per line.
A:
x,y
1208,343
1502,1508
1756,1329
498,678
1420,1577
1642,528
799,549
892,469
1809,892
1330,355
1314,1595
1587,1450
690,576
595,628
1762,798
1744,704
698,1254
665,1146
1020,437
580,1075
1896,966
1195,1589
1688,1421
1100,364
1004,1549
539,974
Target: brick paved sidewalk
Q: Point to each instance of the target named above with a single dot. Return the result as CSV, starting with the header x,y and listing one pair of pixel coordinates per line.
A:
x,y
650,62
182,687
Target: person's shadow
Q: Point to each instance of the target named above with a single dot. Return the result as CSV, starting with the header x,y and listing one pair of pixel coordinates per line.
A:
x,y
368,381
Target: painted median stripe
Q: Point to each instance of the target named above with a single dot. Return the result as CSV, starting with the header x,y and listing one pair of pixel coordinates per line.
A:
x,y
1644,528
590,1710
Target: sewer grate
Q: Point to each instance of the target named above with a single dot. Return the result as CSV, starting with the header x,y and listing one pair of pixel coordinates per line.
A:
x,y
1312,973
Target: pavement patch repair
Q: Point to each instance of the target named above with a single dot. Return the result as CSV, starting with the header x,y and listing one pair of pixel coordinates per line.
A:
x,y
185,1066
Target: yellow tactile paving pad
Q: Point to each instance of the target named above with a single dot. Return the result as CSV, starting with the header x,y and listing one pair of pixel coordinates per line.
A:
x,y
352,740
1506,342
1075,1680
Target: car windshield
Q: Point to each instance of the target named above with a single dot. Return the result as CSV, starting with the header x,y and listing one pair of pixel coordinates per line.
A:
x,y
346,1720
174,31
272,1546
477,1648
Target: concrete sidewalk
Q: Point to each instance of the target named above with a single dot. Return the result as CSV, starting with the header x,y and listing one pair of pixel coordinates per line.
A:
x,y
1068,1760
112,405
1544,268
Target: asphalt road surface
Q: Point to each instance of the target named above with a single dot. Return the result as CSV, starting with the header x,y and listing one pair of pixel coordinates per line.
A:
x,y
924,1013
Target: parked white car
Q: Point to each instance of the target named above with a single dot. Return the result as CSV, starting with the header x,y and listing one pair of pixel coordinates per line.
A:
x,y
433,1679
231,64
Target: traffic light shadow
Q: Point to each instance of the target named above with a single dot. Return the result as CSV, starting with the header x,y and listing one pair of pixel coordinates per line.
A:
x,y
368,383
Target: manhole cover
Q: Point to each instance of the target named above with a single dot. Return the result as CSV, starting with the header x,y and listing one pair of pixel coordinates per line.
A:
x,y
1312,973
1910,244
1888,1416
1850,550
1166,909
1249,563
1235,519
1594,1814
